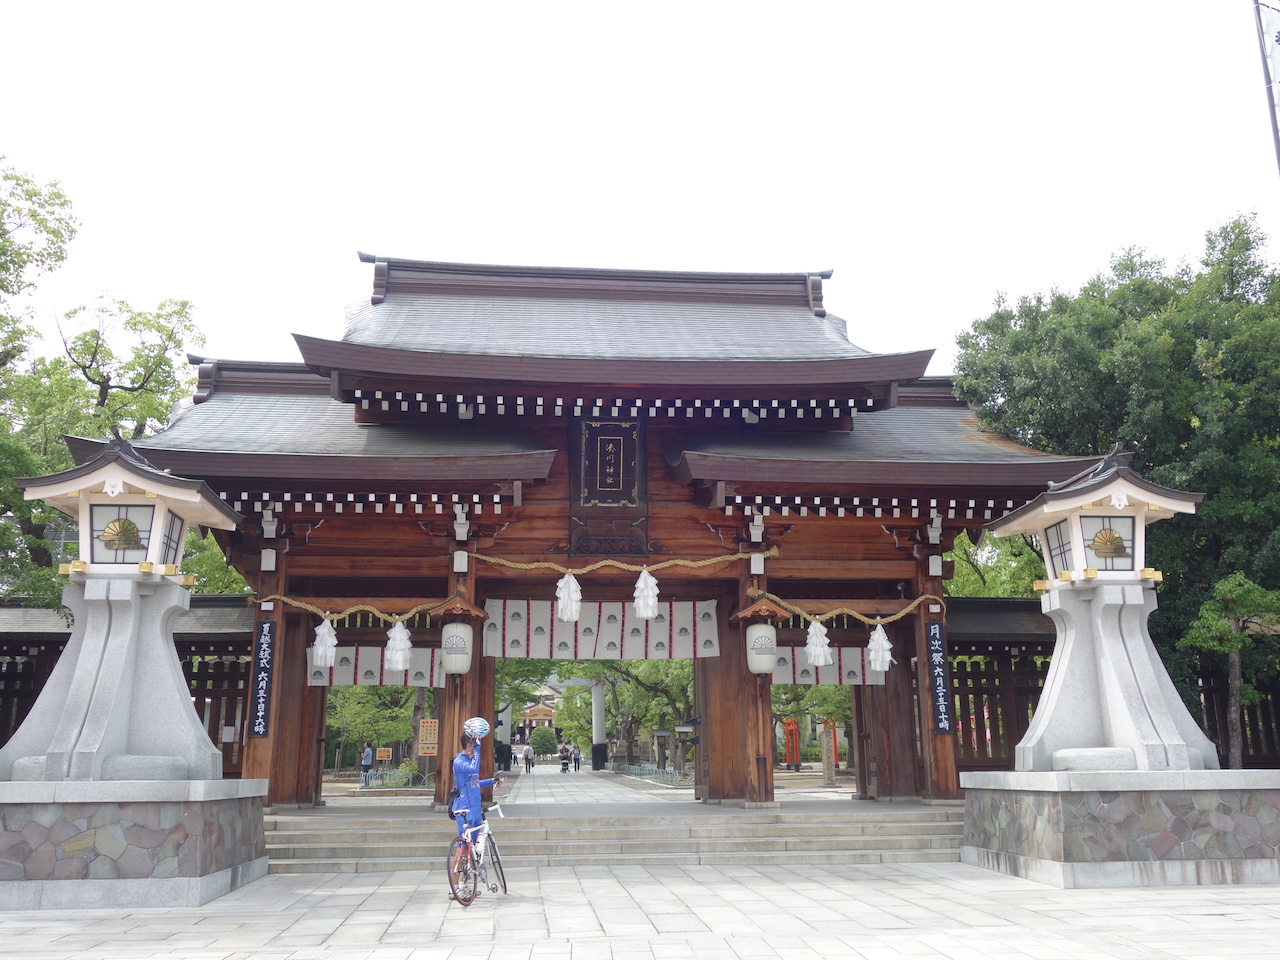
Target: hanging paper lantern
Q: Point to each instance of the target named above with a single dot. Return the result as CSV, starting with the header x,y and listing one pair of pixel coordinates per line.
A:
x,y
646,594
326,643
568,599
762,648
398,647
818,648
879,652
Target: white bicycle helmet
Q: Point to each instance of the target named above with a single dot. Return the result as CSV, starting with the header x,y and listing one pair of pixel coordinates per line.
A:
x,y
476,727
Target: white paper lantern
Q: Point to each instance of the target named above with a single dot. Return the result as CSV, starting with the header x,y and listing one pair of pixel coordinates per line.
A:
x,y
456,641
762,648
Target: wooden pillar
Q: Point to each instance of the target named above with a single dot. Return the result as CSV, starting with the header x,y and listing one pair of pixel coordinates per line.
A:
x,y
893,719
465,695
259,759
310,733
938,750
736,717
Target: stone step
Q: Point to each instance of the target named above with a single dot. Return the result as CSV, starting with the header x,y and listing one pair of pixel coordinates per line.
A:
x,y
575,849
521,830
369,844
685,858
746,818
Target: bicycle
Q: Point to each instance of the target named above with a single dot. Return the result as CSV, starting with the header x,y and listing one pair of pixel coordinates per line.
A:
x,y
470,857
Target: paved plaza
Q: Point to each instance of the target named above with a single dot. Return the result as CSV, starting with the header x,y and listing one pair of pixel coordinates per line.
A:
x,y
874,912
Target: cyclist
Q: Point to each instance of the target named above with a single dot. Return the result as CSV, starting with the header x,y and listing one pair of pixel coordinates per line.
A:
x,y
466,775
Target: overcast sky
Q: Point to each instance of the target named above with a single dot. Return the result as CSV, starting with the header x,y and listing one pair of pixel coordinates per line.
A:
x,y
935,154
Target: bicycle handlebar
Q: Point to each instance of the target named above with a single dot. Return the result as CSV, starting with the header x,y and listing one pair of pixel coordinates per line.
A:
x,y
494,808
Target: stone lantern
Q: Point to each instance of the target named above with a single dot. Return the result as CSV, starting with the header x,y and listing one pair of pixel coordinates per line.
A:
x,y
113,739
1114,783
1108,702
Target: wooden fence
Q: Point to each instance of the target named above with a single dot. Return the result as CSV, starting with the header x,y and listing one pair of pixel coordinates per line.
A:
x,y
997,689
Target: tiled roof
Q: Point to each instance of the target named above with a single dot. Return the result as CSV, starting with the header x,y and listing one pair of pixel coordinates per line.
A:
x,y
278,436
898,444
570,328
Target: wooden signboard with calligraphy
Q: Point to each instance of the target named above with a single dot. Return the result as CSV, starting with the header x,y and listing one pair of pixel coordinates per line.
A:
x,y
940,679
428,738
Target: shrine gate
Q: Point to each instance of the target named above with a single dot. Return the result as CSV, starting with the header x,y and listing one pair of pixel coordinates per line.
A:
x,y
480,431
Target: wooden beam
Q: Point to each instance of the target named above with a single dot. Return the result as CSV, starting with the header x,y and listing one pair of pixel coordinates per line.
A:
x,y
304,565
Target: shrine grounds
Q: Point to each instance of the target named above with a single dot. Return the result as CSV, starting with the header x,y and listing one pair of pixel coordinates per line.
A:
x,y
872,912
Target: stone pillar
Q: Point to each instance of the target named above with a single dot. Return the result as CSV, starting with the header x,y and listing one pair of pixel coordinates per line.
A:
x,y
599,738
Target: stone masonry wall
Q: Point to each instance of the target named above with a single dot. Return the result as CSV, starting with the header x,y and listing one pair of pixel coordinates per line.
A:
x,y
73,841
1089,827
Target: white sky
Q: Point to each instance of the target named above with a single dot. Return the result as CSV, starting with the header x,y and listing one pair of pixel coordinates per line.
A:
x,y
933,153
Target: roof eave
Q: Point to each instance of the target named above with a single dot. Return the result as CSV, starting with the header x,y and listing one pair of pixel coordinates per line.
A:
x,y
326,356
691,466
525,465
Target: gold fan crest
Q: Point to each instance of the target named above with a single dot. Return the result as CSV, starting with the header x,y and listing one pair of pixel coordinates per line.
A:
x,y
1108,543
121,534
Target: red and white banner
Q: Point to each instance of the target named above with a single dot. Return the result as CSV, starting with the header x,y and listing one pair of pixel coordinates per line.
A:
x,y
682,629
366,666
849,669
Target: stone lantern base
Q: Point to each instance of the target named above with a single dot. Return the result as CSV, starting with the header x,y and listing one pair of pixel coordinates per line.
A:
x,y
1125,828
85,844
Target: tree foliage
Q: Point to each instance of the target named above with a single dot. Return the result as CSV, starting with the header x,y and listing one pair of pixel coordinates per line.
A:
x,y
36,225
996,567
357,713
1241,622
120,369
543,740
1180,367
640,695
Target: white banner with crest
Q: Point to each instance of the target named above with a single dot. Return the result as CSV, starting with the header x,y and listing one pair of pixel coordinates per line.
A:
x,y
682,629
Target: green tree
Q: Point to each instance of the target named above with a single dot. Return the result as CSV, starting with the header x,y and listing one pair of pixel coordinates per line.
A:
x,y
36,225
997,567
1240,621
543,740
516,681
203,559
355,714
125,370
1180,368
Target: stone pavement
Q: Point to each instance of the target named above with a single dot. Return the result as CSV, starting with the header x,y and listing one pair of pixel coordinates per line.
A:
x,y
872,912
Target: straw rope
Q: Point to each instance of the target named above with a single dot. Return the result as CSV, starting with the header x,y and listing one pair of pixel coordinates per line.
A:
x,y
618,564
755,594
359,607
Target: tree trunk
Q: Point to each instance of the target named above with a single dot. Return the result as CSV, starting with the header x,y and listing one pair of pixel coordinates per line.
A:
x,y
1235,731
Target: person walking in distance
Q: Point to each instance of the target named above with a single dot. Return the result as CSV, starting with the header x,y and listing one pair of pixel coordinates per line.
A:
x,y
577,758
528,758
366,764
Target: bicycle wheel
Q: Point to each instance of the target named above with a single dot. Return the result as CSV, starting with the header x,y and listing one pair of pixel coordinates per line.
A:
x,y
495,861
461,867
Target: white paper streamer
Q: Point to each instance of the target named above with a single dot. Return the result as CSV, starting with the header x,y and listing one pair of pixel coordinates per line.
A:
x,y
568,599
326,643
398,647
879,652
818,648
646,595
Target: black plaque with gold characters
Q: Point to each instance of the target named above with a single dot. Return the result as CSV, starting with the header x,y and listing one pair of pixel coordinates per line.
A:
x,y
608,513
609,463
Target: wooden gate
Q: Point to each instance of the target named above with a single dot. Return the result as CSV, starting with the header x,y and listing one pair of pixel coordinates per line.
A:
x,y
996,689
